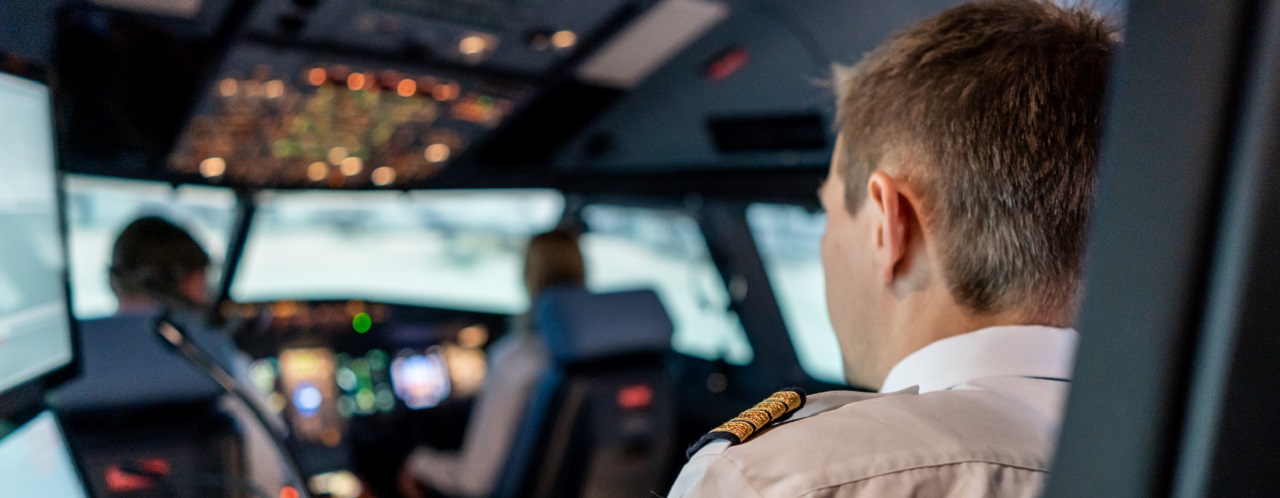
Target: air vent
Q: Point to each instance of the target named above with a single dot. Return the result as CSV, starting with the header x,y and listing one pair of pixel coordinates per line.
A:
x,y
792,132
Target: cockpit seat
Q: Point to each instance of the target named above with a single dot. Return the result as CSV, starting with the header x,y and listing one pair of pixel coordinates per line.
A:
x,y
139,405
601,423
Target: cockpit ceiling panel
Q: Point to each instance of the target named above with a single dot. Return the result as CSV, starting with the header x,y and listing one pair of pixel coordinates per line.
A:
x,y
517,36
285,118
668,122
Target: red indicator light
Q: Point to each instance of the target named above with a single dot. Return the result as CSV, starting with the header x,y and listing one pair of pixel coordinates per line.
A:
x,y
727,63
288,492
635,397
119,481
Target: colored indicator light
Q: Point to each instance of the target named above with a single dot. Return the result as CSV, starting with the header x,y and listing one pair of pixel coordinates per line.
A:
x,y
318,171
228,87
213,167
317,76
384,176
351,166
564,39
362,323
407,88
437,153
356,81
288,492
275,89
473,45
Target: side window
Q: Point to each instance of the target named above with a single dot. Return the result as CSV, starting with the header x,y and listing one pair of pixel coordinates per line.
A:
x,y
98,209
629,248
789,238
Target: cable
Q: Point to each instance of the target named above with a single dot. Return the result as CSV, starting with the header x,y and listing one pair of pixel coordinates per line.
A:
x,y
176,338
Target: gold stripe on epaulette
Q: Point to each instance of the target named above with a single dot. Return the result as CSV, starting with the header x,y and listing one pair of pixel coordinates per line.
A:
x,y
760,416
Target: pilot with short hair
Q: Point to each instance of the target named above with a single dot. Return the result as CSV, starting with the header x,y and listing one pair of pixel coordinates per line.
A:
x,y
957,203
157,265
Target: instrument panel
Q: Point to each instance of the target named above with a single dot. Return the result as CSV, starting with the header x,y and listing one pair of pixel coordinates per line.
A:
x,y
326,366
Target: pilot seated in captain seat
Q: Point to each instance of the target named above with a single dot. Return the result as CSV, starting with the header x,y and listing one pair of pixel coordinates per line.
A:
x,y
957,202
516,362
157,266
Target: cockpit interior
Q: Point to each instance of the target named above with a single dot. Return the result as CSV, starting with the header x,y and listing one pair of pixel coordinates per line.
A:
x,y
365,177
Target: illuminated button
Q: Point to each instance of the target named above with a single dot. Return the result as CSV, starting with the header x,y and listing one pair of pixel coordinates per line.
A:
x,y
228,87
275,88
384,176
473,45
445,92
318,171
307,399
407,88
473,336
437,153
564,39
276,402
351,166
212,167
336,155
355,81
361,322
365,400
317,76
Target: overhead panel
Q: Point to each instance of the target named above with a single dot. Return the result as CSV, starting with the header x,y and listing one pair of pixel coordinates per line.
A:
x,y
283,117
375,93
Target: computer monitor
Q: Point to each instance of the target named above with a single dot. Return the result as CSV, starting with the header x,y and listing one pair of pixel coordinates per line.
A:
x,y
35,322
35,461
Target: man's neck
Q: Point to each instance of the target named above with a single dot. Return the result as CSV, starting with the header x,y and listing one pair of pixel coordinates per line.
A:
x,y
135,304
921,322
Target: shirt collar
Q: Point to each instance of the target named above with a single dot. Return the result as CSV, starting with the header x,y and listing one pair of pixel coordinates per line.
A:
x,y
1021,350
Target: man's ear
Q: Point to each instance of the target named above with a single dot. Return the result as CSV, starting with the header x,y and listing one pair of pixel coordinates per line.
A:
x,y
894,215
193,287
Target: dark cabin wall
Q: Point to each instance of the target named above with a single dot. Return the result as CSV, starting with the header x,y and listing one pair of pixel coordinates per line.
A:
x,y
28,29
662,124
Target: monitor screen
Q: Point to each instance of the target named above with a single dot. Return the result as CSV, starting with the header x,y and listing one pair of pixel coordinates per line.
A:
x,y
34,461
35,328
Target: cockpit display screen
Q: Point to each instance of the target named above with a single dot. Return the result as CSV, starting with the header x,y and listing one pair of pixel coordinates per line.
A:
x,y
35,329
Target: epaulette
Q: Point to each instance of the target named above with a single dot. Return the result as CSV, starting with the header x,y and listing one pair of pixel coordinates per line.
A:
x,y
773,409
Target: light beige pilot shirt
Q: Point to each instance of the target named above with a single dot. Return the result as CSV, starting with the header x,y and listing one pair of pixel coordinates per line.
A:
x,y
516,363
972,415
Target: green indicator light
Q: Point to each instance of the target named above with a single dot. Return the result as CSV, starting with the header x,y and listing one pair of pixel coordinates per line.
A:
x,y
362,323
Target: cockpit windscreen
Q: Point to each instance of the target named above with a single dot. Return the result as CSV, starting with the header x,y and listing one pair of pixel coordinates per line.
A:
x,y
453,249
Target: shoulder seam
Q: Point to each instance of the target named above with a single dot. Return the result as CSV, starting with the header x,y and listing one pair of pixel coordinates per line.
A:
x,y
741,475
920,467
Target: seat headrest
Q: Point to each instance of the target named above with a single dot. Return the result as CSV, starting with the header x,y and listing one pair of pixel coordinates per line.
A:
x,y
578,325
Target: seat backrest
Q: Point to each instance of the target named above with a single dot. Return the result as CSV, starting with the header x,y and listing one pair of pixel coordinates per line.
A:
x,y
138,403
579,326
125,365
602,420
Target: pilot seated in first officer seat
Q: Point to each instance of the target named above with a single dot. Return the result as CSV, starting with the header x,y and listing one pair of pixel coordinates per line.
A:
x,y
538,381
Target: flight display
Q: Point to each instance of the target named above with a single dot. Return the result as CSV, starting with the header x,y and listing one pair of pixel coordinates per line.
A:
x,y
35,329
34,461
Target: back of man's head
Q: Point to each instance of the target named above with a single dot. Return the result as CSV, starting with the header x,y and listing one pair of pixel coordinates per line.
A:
x,y
154,258
992,110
